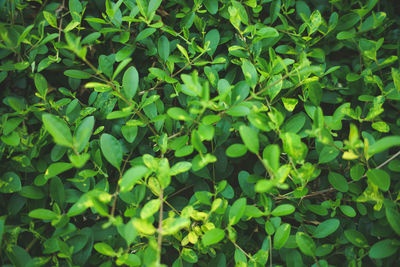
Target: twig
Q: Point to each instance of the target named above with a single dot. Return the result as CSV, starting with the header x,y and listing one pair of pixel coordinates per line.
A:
x,y
365,175
58,10
239,248
114,204
389,160
160,219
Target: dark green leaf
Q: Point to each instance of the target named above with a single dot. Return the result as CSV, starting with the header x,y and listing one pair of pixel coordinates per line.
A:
x,y
112,150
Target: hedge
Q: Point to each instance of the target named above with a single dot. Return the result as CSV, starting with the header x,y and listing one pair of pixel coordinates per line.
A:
x,y
199,133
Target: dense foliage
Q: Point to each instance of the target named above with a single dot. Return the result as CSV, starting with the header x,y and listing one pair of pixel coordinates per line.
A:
x,y
199,133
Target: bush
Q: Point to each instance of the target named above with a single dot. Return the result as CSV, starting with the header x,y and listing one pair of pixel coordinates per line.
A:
x,y
209,133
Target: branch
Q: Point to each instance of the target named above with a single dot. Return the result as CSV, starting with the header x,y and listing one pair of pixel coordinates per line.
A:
x,y
160,219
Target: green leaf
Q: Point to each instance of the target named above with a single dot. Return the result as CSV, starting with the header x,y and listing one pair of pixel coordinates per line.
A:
x,y
348,210
58,129
237,210
41,84
326,228
43,214
163,173
50,18
213,236
150,208
171,226
57,168
104,249
396,78
144,227
281,235
293,146
271,156
275,85
393,217
163,47
179,114
383,144
306,244
380,178
129,133
112,150
180,167
338,181
10,183
211,6
130,82
131,177
77,74
152,7
189,255
356,238
283,210
383,249
236,150
250,73
327,154
212,37
357,172
144,34
129,259
128,232
250,138
83,133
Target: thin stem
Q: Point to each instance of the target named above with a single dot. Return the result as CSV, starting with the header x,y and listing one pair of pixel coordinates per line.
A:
x,y
160,219
365,175
239,248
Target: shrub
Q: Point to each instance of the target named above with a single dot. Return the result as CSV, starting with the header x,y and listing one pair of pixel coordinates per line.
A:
x,y
207,132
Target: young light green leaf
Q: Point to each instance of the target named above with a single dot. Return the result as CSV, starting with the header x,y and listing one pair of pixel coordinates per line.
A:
x,y
150,208
112,150
130,82
131,177
58,129
189,255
